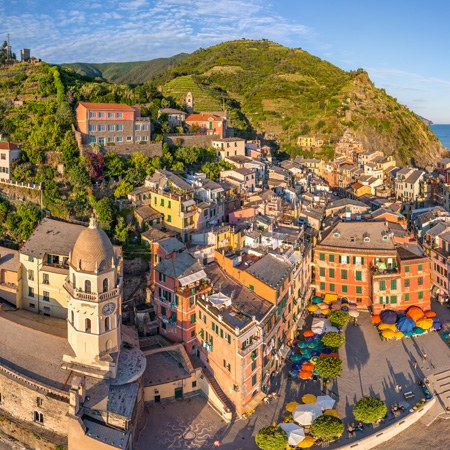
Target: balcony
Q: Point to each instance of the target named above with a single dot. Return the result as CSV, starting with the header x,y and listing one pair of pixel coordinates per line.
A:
x,y
91,296
249,348
194,289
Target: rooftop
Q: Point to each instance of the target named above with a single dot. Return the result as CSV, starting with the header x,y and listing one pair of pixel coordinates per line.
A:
x,y
102,433
270,270
172,111
9,259
171,244
106,106
154,235
8,146
202,117
183,265
52,237
147,213
165,366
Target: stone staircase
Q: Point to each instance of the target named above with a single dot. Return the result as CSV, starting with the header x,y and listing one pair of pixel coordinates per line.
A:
x,y
441,385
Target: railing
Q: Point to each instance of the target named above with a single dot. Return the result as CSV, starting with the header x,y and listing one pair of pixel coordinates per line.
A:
x,y
194,289
91,296
378,271
249,348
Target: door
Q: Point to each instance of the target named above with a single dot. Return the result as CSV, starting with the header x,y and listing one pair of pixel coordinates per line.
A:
x,y
157,398
179,393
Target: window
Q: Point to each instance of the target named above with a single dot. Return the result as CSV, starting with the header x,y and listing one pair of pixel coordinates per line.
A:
x,y
251,287
107,323
420,268
420,281
105,285
406,269
253,365
119,139
322,271
30,292
119,127
331,258
92,139
322,286
87,286
332,287
192,318
137,127
407,283
101,140
359,289
358,275
46,296
111,127
101,128
344,274
87,325
72,317
344,259
331,272
169,218
101,115
420,295
91,114
129,138
30,259
39,401
110,139
254,377
92,127
322,256
393,284
344,289
144,138
358,260
38,417
393,299
194,384
382,285
119,115
31,275
205,213
406,297
110,115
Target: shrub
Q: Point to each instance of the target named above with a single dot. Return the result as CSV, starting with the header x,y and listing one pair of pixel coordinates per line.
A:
x,y
339,318
271,438
333,339
369,409
327,427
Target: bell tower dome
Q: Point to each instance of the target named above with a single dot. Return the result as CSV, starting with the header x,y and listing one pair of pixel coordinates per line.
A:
x,y
94,288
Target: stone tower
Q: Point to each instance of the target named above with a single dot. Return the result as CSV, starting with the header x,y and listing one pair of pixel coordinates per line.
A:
x,y
190,103
94,306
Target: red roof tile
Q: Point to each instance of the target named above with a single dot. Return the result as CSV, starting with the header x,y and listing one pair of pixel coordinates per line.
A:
x,y
201,117
115,106
8,146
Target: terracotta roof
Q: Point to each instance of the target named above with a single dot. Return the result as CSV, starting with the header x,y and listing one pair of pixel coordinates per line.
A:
x,y
8,146
201,117
117,106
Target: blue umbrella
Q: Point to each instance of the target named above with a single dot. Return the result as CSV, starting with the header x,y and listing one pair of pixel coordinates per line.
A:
x,y
437,326
327,351
446,335
297,366
316,300
388,316
315,353
309,339
406,324
317,336
345,308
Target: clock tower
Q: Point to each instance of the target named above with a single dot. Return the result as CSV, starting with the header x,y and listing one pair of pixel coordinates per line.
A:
x,y
94,288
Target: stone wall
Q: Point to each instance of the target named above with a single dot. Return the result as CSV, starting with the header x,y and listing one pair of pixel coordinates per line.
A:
x,y
16,191
21,397
151,149
187,140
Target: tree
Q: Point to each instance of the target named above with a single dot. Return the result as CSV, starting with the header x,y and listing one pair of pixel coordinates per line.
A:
x,y
271,438
105,210
29,216
327,427
123,189
333,339
339,318
121,231
114,165
328,366
369,409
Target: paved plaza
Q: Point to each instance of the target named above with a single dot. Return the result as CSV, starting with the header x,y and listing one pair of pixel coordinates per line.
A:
x,y
371,367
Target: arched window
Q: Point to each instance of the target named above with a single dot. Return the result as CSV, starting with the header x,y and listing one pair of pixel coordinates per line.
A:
x,y
87,286
107,324
87,325
72,317
105,285
74,281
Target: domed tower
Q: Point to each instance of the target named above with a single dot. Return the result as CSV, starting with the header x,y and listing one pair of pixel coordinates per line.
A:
x,y
94,306
190,102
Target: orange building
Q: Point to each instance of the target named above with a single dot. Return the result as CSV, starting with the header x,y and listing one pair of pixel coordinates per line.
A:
x,y
112,123
362,261
208,124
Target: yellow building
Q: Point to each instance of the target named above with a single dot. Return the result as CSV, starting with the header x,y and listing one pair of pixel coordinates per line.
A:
x,y
10,276
44,261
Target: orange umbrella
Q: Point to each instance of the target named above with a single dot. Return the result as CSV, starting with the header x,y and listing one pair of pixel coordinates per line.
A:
x,y
306,443
308,366
308,333
430,314
415,313
376,319
305,374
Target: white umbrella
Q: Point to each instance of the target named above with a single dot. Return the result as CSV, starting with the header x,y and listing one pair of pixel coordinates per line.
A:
x,y
295,433
307,414
325,401
319,325
353,313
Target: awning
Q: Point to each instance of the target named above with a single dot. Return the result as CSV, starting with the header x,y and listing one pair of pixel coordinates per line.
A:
x,y
189,203
193,278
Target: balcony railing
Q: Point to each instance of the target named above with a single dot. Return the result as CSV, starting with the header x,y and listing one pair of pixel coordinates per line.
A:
x,y
91,296
388,271
195,289
249,348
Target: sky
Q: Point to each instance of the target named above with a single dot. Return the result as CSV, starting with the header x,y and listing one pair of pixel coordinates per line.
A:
x,y
403,44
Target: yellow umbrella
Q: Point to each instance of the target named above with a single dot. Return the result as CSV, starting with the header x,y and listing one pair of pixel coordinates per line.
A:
x,y
399,335
330,298
291,406
306,443
387,326
331,412
309,398
325,312
388,334
312,308
426,324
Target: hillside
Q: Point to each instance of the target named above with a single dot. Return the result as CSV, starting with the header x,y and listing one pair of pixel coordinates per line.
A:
x,y
287,93
127,72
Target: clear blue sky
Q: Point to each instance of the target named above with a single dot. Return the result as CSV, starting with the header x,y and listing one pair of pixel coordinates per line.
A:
x,y
403,44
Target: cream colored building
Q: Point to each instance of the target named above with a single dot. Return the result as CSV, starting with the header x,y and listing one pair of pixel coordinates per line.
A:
x,y
44,260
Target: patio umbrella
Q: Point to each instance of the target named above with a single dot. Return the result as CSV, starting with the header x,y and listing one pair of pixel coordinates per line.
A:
x,y
418,330
308,366
388,316
325,401
315,353
326,312
295,433
302,344
430,314
335,306
437,326
426,324
330,298
295,357
387,326
414,312
399,335
305,374
446,335
375,319
353,313
344,300
308,333
327,351
297,366
306,414
308,340
291,406
331,412
309,399
344,308
388,334
312,308
317,299
408,333
405,324
323,305
306,443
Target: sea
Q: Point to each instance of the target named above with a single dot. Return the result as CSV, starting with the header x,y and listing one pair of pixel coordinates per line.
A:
x,y
442,131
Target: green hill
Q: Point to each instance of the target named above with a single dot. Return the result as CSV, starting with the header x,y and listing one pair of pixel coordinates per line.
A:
x,y
127,72
287,92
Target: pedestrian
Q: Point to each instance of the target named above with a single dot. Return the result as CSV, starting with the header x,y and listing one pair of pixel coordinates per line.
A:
x,y
216,443
424,356
415,364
